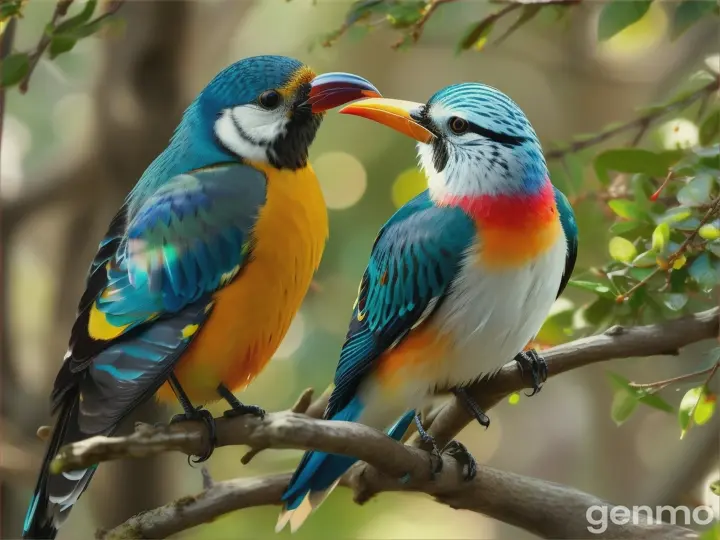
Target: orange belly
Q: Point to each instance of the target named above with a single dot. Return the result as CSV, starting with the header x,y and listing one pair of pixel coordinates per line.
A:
x,y
252,314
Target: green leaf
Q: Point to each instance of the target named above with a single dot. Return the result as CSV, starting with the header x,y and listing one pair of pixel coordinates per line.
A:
x,y
642,395
625,208
660,237
705,408
514,398
675,301
647,259
621,249
13,69
639,273
61,44
688,13
634,160
620,14
675,215
715,487
688,406
528,13
478,33
623,405
712,533
655,401
710,231
78,20
87,29
597,288
623,227
710,127
405,14
598,313
703,271
713,247
363,9
10,9
697,191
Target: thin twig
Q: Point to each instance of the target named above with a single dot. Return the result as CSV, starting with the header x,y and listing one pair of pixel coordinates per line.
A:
x,y
659,385
419,26
61,9
642,121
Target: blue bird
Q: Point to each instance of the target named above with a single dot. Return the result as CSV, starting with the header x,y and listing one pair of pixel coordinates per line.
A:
x,y
460,278
203,268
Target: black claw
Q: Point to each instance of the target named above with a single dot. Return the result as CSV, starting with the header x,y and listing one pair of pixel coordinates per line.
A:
x,y
204,416
537,366
472,407
462,455
243,410
429,439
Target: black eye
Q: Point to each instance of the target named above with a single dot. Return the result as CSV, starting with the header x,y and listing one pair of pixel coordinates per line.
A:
x,y
457,125
269,99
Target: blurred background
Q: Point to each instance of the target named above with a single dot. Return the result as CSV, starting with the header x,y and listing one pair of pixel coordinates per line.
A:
x,y
93,120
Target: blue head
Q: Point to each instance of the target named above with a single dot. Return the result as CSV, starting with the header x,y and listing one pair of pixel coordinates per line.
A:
x,y
265,109
473,140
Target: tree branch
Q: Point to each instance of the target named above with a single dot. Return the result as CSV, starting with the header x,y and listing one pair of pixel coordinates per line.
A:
x,y
557,511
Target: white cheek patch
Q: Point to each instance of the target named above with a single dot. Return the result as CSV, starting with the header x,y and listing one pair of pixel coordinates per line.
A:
x,y
248,130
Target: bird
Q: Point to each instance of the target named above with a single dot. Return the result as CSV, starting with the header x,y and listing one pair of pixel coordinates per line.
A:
x,y
203,267
460,278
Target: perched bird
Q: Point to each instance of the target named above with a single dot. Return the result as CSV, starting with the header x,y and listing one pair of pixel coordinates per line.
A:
x,y
203,268
460,278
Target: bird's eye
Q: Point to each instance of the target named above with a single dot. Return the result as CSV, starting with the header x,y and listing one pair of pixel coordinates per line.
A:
x,y
458,125
269,99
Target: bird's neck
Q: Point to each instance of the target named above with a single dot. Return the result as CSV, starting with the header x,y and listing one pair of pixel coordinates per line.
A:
x,y
524,210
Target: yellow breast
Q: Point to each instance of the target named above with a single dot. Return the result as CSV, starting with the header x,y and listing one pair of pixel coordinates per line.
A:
x,y
252,314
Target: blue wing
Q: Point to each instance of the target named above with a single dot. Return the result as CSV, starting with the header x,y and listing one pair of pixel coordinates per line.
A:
x,y
154,277
413,261
567,220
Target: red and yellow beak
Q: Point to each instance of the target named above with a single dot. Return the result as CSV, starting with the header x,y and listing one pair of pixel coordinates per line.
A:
x,y
331,90
394,113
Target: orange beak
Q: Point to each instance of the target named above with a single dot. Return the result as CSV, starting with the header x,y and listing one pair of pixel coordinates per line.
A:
x,y
394,113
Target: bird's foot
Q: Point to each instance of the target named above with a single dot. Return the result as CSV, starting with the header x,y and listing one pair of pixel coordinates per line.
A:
x,y
435,465
537,366
241,409
462,455
204,416
472,407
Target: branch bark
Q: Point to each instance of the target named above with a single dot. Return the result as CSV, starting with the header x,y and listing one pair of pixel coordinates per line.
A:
x,y
557,511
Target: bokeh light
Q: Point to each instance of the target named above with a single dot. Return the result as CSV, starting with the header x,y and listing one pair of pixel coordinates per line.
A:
x,y
679,133
16,143
408,184
342,178
293,339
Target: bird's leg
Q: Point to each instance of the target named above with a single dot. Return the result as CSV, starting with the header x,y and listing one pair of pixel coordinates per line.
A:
x,y
194,413
429,439
462,455
537,365
472,406
237,408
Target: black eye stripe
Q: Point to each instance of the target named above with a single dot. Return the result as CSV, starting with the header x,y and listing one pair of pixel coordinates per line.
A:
x,y
502,138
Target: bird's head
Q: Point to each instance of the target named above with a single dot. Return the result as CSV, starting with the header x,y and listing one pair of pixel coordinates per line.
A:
x,y
268,108
473,140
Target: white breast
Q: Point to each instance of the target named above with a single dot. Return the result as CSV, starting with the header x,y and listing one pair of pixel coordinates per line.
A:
x,y
492,315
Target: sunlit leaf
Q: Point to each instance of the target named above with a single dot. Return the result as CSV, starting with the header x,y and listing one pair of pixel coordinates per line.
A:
x,y
713,533
688,403
688,13
679,262
705,408
597,288
625,208
675,301
675,215
514,398
697,191
710,127
660,237
710,231
478,33
13,68
621,249
715,487
620,14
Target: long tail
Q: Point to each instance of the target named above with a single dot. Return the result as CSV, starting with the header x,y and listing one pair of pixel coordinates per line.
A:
x,y
318,473
55,494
